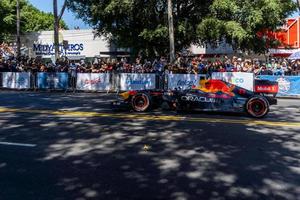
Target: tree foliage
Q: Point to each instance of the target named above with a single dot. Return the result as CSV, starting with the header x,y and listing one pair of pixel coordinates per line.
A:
x,y
143,25
32,19
240,21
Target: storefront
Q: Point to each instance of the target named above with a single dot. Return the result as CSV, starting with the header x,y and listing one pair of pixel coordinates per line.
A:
x,y
81,44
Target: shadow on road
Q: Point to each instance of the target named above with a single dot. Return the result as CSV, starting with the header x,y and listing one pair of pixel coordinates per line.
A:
x,y
102,158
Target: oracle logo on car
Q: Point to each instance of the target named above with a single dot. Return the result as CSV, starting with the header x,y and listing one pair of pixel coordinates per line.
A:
x,y
198,99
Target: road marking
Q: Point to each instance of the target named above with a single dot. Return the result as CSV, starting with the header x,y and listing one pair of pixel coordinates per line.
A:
x,y
153,117
17,144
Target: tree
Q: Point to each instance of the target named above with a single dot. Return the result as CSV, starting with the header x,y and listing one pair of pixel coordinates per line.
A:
x,y
32,19
245,23
142,24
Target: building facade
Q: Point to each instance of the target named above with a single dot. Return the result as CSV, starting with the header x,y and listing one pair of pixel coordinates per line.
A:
x,y
289,37
84,44
79,44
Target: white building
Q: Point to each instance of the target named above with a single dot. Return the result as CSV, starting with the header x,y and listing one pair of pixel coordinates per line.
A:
x,y
81,44
222,49
84,44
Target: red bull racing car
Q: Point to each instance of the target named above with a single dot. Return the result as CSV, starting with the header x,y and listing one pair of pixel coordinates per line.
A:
x,y
211,95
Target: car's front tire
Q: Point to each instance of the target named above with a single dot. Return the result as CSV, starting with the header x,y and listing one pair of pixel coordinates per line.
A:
x,y
141,102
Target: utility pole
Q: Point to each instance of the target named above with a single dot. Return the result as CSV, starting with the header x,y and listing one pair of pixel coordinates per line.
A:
x,y
171,31
63,10
56,29
18,30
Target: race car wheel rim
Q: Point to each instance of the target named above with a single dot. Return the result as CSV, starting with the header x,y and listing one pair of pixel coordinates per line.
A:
x,y
257,107
140,103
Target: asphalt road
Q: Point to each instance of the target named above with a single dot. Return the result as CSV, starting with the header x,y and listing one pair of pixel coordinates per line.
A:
x,y
73,147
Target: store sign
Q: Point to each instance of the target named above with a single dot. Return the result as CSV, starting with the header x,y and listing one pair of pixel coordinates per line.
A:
x,y
49,49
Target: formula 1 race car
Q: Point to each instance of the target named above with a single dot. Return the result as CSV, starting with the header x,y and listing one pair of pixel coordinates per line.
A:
x,y
211,95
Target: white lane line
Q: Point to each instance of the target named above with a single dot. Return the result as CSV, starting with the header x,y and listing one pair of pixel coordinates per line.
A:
x,y
17,144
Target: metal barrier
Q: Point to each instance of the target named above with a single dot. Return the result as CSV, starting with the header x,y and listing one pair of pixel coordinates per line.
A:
x,y
289,86
101,82
244,80
137,81
16,80
93,82
104,82
56,81
183,81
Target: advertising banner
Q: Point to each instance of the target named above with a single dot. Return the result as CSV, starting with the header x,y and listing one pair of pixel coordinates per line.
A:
x,y
52,80
137,81
8,79
288,85
94,82
16,80
241,79
184,81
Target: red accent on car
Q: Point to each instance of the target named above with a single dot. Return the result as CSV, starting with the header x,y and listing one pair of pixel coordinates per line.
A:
x,y
242,91
215,86
156,93
132,93
269,89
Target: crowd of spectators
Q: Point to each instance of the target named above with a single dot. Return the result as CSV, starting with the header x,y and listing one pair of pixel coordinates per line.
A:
x,y
189,65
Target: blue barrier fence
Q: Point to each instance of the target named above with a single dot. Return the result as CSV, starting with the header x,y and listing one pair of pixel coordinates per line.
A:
x,y
288,85
52,81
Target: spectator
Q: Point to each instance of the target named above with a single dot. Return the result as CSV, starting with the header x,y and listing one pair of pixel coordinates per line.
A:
x,y
190,65
265,71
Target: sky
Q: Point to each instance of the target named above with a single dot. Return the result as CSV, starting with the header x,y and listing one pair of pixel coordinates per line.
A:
x,y
68,17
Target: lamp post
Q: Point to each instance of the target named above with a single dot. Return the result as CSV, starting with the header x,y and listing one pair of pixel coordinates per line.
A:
x,y
56,27
171,31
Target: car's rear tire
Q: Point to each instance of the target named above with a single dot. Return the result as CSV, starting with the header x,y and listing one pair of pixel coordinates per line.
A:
x,y
257,107
141,102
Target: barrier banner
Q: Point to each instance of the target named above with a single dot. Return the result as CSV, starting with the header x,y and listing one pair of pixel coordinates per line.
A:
x,y
137,81
288,85
241,79
184,81
52,80
94,82
16,80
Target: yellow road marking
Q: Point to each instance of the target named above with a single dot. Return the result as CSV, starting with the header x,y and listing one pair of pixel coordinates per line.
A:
x,y
151,117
